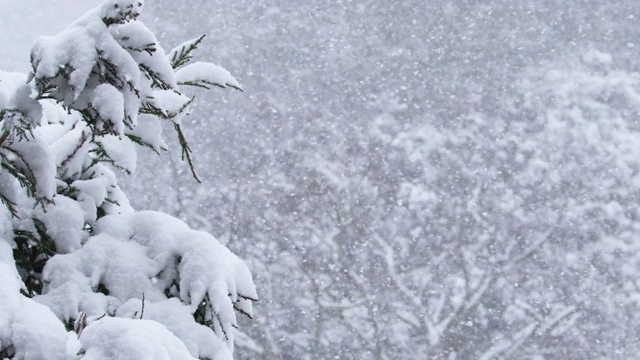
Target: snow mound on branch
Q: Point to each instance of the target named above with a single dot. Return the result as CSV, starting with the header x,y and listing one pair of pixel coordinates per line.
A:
x,y
109,103
71,150
156,255
121,10
204,73
149,54
31,328
38,161
15,94
122,152
149,131
64,223
127,339
105,41
111,12
170,104
73,49
178,319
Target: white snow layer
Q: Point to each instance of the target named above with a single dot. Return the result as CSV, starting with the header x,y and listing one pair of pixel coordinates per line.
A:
x,y
178,319
32,329
152,254
207,74
129,339
109,103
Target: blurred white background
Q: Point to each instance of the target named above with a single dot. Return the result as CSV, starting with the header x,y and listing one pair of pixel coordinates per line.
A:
x,y
22,21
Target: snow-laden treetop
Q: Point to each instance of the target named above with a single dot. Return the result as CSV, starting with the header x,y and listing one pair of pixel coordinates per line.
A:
x,y
84,275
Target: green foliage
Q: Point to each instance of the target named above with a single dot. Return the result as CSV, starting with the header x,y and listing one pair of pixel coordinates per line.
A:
x,y
183,54
33,250
186,151
107,73
16,126
156,79
204,84
101,155
17,166
138,140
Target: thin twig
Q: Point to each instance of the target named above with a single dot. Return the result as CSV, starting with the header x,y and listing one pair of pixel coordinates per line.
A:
x,y
142,310
186,151
83,139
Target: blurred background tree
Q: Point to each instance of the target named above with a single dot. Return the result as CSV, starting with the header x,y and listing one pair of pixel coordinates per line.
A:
x,y
420,180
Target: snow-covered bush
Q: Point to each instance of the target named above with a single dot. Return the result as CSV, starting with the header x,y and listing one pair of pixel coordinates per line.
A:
x,y
82,274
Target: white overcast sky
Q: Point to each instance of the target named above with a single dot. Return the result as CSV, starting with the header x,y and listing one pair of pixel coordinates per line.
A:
x,y
22,21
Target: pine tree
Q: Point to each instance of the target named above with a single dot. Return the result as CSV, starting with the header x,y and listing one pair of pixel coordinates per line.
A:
x,y
82,273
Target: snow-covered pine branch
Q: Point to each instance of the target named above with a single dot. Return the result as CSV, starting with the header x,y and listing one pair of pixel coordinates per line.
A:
x,y
182,53
206,75
71,247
